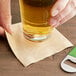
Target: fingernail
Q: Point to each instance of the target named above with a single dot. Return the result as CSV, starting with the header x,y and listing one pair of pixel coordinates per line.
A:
x,y
53,22
54,13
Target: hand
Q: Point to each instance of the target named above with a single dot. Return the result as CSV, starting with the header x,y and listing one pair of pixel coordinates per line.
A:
x,y
5,16
62,11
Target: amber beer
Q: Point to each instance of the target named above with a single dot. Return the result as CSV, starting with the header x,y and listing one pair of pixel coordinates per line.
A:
x,y
35,15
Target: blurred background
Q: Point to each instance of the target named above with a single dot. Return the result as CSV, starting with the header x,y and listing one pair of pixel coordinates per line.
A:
x,y
15,11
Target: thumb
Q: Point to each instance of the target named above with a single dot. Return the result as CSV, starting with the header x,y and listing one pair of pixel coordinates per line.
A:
x,y
5,22
58,7
5,15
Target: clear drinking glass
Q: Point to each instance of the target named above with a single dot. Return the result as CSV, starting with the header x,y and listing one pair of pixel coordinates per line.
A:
x,y
34,16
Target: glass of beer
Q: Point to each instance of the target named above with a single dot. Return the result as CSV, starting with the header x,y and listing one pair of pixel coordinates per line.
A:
x,y
34,16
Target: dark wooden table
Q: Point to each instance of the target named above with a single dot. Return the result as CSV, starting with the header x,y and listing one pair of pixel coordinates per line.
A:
x,y
10,66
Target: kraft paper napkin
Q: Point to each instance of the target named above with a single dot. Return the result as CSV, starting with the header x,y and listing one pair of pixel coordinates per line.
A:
x,y
28,52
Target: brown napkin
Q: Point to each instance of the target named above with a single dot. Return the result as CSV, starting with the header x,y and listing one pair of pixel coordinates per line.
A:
x,y
30,52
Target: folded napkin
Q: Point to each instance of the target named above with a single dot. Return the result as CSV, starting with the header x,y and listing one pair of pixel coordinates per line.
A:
x,y
28,52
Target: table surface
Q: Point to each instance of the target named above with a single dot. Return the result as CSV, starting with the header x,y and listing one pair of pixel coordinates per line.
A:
x,y
10,66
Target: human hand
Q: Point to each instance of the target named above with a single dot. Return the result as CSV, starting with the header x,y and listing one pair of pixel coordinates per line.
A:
x,y
62,11
5,16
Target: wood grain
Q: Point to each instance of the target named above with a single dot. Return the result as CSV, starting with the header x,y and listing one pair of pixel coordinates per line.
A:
x,y
10,66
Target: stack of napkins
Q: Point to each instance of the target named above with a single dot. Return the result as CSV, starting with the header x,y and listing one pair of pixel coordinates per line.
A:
x,y
28,52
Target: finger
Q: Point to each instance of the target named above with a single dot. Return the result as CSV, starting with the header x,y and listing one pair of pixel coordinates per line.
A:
x,y
6,25
69,16
70,6
5,15
1,31
59,6
55,23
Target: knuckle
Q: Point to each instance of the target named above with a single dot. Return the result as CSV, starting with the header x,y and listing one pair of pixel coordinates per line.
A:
x,y
8,16
59,17
5,17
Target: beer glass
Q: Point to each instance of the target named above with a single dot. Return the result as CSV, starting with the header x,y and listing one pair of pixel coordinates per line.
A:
x,y
34,16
